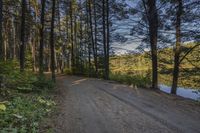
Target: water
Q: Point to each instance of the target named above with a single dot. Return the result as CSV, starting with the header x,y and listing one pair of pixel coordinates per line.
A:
x,y
183,92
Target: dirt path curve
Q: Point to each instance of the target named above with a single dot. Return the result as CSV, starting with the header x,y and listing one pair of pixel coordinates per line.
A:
x,y
97,106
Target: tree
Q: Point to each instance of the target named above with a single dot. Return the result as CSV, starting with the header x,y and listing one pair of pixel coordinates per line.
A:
x,y
108,39
72,36
153,33
1,24
92,36
177,47
105,24
22,45
41,57
52,41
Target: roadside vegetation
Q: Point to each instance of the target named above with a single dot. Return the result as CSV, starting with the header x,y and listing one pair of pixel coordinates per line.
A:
x,y
136,68
25,99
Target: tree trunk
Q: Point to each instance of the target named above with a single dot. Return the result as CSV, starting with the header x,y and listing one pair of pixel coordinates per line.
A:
x,y
22,45
1,26
72,36
177,47
104,38
52,42
153,30
41,51
107,39
5,40
92,37
95,33
14,39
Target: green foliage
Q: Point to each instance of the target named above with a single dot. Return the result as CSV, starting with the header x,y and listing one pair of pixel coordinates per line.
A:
x,y
7,67
25,81
136,80
42,83
23,109
23,113
68,71
140,64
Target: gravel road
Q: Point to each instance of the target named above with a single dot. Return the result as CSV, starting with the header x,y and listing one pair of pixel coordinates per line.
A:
x,y
88,105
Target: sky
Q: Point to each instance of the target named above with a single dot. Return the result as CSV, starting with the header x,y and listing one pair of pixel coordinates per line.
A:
x,y
123,28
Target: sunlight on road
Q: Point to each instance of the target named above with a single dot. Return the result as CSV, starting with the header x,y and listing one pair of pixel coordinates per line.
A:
x,y
78,81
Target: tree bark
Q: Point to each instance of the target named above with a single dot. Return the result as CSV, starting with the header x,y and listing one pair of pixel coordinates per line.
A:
x,y
107,39
177,47
72,36
52,42
92,37
95,34
41,51
104,38
153,31
22,45
1,26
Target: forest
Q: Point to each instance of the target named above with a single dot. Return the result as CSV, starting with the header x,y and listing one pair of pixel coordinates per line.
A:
x,y
142,43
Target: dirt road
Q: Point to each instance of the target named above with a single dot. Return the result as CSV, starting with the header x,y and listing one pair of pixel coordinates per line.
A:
x,y
98,106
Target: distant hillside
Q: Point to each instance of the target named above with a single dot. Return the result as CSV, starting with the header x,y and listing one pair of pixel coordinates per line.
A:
x,y
140,64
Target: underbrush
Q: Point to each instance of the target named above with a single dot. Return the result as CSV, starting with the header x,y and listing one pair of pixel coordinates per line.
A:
x,y
135,80
24,112
25,99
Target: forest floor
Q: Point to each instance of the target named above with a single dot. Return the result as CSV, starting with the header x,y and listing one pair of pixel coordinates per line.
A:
x,y
87,105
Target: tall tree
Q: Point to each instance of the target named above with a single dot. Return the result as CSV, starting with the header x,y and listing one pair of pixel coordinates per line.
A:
x,y
52,42
41,51
22,45
92,36
95,34
104,37
177,47
107,39
153,33
72,36
1,23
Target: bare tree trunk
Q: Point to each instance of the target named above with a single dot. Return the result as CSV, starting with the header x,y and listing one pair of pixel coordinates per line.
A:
x,y
92,37
88,39
107,39
72,36
52,42
1,38
1,26
33,47
61,57
22,45
104,38
5,42
41,51
75,43
153,31
81,44
95,34
177,48
14,38
68,54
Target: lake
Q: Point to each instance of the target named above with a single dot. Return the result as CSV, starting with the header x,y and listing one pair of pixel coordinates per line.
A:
x,y
183,92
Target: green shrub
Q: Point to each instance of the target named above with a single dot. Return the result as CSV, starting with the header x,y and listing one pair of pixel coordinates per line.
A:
x,y
136,80
23,113
68,71
25,82
42,83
